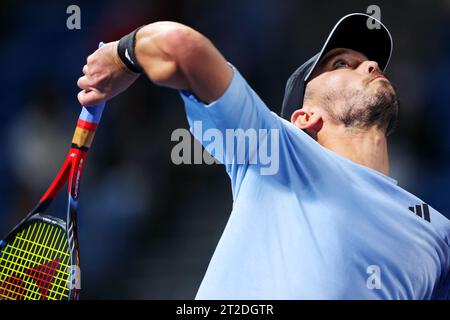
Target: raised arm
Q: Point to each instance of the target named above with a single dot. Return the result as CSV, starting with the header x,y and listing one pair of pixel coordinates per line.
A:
x,y
171,54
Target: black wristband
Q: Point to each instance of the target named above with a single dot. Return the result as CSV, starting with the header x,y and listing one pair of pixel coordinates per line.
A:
x,y
125,50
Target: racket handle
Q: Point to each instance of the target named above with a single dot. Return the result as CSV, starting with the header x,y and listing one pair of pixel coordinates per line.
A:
x,y
93,114
87,123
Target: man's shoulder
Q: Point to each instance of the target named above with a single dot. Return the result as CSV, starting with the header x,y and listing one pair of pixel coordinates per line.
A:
x,y
441,223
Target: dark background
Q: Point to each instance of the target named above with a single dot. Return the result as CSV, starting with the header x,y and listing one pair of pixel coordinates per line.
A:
x,y
148,227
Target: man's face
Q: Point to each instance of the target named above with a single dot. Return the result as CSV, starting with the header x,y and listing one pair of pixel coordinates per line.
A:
x,y
353,91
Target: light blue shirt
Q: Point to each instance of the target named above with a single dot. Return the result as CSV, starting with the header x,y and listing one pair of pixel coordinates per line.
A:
x,y
322,226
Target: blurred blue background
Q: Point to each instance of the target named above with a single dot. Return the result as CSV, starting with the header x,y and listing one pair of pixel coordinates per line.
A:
x,y
148,227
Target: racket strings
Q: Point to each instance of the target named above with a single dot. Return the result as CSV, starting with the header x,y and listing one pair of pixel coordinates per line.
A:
x,y
36,265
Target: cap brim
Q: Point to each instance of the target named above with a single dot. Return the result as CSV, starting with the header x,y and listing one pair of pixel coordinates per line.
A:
x,y
362,33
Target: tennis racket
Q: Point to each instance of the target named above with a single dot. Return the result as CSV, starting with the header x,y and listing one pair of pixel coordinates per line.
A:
x,y
39,258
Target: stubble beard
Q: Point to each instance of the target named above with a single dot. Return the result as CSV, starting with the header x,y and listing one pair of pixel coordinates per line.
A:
x,y
362,110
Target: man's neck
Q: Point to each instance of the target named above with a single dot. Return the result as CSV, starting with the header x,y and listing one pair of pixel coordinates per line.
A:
x,y
366,147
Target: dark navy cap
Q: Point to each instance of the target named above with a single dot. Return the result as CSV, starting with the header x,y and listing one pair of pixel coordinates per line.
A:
x,y
356,31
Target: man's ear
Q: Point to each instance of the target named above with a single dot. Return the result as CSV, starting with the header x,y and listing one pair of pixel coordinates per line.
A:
x,y
307,120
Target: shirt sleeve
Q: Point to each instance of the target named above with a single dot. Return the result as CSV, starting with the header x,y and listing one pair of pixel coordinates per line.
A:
x,y
234,127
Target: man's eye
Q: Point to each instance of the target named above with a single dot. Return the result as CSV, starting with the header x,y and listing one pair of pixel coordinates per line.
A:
x,y
340,64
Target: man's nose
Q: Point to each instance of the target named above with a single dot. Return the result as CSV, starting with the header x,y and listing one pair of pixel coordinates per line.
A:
x,y
369,67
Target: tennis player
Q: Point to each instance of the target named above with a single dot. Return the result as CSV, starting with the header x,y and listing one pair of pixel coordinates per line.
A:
x,y
330,223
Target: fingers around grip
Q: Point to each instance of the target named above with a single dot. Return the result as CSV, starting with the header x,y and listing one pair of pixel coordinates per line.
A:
x,y
84,83
90,98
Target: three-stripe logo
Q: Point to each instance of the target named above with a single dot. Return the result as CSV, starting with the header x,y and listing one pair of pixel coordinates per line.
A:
x,y
422,211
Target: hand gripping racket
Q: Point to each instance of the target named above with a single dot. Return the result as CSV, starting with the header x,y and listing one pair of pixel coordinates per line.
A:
x,y
39,258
